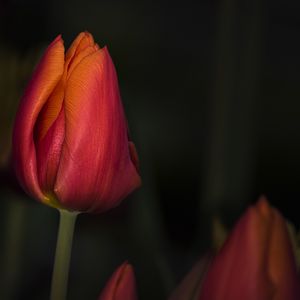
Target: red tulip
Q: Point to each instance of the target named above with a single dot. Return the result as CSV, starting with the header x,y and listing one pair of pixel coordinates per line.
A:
x,y
70,143
121,285
256,261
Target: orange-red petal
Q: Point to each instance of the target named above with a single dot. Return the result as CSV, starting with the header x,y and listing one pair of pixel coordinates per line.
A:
x,y
45,78
121,285
281,262
249,262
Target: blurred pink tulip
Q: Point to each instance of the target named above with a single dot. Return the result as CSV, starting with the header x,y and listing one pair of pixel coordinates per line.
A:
x,y
256,261
121,285
70,143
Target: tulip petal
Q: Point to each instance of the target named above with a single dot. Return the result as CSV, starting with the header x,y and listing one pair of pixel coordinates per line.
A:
x,y
95,139
45,78
282,265
240,269
50,111
82,41
121,285
50,125
82,46
256,261
48,151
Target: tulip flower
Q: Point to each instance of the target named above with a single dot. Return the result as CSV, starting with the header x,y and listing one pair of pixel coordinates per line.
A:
x,y
256,261
70,145
121,285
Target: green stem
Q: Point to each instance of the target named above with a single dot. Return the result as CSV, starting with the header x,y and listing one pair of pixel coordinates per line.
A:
x,y
63,254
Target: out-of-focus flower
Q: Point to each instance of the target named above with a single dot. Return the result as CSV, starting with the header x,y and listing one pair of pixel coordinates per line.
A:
x,y
70,143
256,261
121,285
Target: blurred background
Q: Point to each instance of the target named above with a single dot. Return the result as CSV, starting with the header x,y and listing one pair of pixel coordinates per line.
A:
x,y
211,92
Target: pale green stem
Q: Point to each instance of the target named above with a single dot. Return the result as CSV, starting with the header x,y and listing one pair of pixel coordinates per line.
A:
x,y
63,255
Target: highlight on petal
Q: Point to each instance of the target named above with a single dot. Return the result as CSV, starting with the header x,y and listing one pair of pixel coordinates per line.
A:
x,y
45,78
121,285
254,260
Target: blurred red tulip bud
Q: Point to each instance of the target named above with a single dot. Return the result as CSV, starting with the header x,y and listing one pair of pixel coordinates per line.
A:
x,y
121,285
70,143
256,261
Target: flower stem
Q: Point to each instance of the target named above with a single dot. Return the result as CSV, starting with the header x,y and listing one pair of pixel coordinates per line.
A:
x,y
63,254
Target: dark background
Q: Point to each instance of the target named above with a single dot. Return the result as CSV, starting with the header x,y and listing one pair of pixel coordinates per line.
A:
x,y
211,92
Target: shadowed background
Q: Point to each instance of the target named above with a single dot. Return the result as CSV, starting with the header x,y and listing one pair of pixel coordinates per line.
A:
x,y
211,93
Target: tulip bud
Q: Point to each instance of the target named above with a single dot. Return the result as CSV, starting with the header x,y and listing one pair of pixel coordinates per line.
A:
x,y
121,285
256,261
70,143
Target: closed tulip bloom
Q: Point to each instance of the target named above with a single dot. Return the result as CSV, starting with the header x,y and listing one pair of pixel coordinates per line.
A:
x,y
70,143
256,262
121,285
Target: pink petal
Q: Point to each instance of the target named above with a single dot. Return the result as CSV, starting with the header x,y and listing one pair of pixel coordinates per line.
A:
x,y
240,269
96,170
43,82
282,264
121,285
